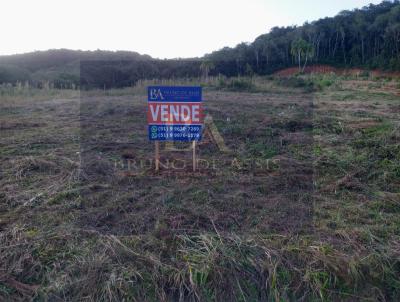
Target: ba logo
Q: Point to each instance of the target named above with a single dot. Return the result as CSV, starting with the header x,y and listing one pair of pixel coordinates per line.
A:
x,y
155,94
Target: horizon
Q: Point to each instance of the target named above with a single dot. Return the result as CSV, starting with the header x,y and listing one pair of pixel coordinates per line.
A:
x,y
190,41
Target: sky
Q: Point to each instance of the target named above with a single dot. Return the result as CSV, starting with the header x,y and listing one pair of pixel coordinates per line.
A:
x,y
160,28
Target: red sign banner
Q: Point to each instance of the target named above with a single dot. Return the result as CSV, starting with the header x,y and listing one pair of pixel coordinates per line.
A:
x,y
160,113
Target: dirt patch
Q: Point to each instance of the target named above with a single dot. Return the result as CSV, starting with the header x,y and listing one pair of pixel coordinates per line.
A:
x,y
309,69
363,124
326,69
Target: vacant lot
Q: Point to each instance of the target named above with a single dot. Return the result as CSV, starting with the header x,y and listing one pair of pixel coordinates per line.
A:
x,y
296,196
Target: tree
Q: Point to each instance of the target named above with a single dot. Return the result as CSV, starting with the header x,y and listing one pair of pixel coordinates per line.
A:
x,y
302,50
206,67
249,70
366,38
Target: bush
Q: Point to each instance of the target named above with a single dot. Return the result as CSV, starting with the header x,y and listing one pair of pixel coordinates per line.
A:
x,y
321,84
364,74
241,85
236,84
297,82
293,82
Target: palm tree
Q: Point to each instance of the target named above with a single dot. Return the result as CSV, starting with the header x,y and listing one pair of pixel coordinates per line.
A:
x,y
206,67
302,50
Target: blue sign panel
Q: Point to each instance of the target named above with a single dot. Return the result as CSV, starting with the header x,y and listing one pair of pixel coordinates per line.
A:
x,y
174,113
174,94
186,133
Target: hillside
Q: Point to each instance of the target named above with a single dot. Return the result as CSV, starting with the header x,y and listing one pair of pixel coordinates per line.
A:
x,y
364,38
59,66
368,37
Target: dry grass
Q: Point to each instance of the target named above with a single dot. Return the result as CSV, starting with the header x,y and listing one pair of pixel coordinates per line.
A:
x,y
323,224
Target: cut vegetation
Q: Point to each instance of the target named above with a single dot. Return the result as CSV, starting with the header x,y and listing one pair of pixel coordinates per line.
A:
x,y
304,206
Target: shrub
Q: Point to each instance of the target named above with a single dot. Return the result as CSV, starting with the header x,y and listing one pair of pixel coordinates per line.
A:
x,y
293,82
241,85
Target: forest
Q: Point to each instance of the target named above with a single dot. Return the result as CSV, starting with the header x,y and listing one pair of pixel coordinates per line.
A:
x,y
366,38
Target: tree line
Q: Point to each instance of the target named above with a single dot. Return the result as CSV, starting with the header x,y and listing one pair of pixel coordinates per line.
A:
x,y
368,38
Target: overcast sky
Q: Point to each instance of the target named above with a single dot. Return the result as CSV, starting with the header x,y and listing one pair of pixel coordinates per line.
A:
x,y
160,28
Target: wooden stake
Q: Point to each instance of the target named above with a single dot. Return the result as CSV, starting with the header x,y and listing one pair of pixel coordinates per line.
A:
x,y
194,156
157,155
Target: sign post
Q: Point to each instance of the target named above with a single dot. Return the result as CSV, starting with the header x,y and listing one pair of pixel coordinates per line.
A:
x,y
194,156
174,114
157,155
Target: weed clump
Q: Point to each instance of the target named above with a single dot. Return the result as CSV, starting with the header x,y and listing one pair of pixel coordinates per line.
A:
x,y
236,84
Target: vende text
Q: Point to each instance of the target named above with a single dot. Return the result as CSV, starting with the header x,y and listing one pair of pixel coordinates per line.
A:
x,y
174,113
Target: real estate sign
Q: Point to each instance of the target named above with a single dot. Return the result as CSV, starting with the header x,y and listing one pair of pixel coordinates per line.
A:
x,y
174,113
